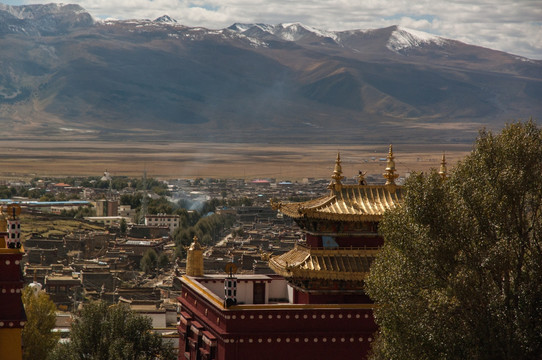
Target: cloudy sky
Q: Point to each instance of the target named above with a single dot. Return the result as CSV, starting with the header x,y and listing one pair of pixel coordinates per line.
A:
x,y
513,26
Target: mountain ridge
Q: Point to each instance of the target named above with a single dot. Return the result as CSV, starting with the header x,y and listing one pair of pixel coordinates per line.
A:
x,y
250,82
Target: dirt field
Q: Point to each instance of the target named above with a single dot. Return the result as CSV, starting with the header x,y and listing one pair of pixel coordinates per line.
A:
x,y
24,159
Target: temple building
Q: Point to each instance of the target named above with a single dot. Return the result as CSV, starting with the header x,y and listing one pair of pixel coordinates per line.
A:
x,y
314,306
12,315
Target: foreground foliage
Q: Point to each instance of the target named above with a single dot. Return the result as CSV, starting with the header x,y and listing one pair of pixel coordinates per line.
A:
x,y
38,338
114,332
460,275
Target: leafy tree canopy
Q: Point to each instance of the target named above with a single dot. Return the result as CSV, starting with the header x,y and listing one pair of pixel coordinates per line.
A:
x,y
38,337
149,261
114,332
460,274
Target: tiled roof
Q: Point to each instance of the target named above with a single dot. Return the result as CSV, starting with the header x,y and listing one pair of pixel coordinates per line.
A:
x,y
333,264
350,203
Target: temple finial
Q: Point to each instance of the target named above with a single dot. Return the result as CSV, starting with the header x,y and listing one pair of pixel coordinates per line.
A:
x,y
195,244
389,174
337,174
194,259
443,172
338,171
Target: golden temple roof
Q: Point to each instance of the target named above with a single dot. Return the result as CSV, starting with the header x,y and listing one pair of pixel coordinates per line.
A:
x,y
351,203
356,203
319,263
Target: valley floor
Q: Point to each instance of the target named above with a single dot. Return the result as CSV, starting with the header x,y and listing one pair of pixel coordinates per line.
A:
x,y
26,159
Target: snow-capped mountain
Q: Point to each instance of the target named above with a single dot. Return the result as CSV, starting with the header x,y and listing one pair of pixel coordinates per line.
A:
x,y
400,38
403,39
50,19
250,82
165,19
287,32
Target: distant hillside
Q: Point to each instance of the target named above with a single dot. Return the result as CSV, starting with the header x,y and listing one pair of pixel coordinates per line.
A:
x,y
64,74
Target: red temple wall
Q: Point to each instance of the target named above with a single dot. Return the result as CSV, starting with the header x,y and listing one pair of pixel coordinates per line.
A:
x,y
301,297
270,333
11,285
347,241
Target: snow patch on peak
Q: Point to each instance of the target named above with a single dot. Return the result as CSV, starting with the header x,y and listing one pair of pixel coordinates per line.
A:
x,y
295,31
402,38
241,28
266,27
285,31
165,19
238,27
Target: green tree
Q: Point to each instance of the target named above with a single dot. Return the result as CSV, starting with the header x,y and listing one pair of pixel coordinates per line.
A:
x,y
84,211
123,226
133,200
38,337
149,261
163,261
460,274
114,332
160,206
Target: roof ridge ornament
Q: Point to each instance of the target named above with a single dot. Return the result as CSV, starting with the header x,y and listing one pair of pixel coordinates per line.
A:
x,y
195,245
389,174
337,175
361,178
194,258
443,172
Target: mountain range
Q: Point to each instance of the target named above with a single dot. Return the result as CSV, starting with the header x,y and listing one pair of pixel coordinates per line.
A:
x,y
65,74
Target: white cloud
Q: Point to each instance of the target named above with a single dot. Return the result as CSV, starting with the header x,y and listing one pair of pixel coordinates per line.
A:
x,y
511,26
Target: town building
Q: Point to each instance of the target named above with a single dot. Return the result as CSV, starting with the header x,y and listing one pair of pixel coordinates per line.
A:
x,y
107,220
171,221
126,211
107,207
315,306
62,288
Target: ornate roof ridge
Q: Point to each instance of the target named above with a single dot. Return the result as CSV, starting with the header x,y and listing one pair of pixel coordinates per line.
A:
x,y
351,203
370,186
320,205
350,264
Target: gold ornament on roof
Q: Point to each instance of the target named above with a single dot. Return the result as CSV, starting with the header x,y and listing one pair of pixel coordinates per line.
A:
x,y
361,178
443,172
194,259
265,256
389,173
195,244
337,175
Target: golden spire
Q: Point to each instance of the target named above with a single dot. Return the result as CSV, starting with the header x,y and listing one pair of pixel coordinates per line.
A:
x,y
443,172
195,244
389,173
337,174
194,259
338,171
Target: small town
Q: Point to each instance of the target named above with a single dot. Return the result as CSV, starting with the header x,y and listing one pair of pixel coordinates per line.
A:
x,y
123,240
